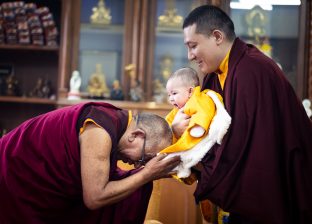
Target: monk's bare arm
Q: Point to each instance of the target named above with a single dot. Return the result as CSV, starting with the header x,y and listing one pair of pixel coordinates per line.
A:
x,y
98,191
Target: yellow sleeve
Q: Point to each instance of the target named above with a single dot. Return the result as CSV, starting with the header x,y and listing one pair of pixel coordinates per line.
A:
x,y
88,120
169,118
171,115
202,109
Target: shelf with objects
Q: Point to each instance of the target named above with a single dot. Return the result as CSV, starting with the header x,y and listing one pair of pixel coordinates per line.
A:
x,y
166,49
99,51
114,50
106,56
29,59
275,28
158,108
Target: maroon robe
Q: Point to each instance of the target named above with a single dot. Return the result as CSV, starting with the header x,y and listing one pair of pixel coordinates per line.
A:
x,y
40,176
262,172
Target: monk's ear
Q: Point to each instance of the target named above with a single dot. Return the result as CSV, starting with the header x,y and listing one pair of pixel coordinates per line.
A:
x,y
218,35
138,132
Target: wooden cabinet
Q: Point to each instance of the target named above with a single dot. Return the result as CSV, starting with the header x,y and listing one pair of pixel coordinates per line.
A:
x,y
29,62
165,46
135,36
112,45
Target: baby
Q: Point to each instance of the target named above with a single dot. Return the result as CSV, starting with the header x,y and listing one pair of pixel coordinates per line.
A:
x,y
208,124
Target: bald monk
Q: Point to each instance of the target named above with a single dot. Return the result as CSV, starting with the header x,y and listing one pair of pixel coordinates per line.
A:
x,y
61,167
262,171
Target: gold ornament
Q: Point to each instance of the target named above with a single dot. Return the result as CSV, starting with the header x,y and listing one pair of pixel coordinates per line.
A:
x,y
97,83
170,18
166,66
101,15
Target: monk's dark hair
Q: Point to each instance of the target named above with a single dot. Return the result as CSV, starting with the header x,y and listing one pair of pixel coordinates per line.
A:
x,y
187,75
156,128
209,18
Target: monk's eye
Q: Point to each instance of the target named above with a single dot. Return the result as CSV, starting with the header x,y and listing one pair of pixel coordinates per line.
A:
x,y
192,46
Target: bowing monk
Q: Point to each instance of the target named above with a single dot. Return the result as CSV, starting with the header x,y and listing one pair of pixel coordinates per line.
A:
x,y
262,171
61,167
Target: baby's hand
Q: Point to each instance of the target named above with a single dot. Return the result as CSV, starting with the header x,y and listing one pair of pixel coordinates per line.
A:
x,y
180,123
197,131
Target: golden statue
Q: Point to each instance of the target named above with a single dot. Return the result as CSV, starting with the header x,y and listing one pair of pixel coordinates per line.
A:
x,y
170,18
101,15
159,92
256,20
166,65
130,69
97,84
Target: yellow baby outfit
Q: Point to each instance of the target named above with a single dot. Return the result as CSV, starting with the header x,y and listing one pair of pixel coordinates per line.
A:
x,y
202,109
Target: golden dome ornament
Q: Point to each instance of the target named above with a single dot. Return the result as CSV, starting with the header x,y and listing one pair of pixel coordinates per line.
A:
x,y
101,15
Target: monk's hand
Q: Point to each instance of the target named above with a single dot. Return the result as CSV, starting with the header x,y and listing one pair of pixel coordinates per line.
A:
x,y
180,123
159,167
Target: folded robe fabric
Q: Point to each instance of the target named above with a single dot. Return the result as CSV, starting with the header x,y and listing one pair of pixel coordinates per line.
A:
x,y
262,171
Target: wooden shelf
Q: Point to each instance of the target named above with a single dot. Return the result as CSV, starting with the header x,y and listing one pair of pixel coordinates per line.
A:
x,y
122,104
33,100
101,29
27,47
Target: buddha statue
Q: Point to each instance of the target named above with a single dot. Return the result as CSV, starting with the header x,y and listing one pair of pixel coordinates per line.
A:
x,y
159,92
37,90
166,66
97,87
12,86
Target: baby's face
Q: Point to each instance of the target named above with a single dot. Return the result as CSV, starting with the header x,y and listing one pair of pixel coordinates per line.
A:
x,y
178,92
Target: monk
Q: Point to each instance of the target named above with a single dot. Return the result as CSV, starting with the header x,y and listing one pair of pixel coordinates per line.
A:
x,y
61,167
262,171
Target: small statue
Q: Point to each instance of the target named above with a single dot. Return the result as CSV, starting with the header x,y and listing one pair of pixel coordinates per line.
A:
x,y
37,91
97,87
136,92
12,88
160,93
100,15
47,89
307,106
170,18
74,86
166,66
116,93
